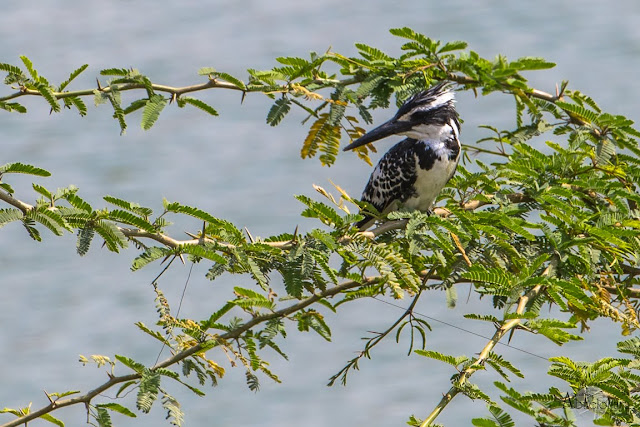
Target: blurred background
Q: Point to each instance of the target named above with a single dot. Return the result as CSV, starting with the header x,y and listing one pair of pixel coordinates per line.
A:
x,y
57,305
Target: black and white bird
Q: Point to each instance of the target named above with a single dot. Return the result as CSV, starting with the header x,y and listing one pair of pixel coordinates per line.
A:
x,y
414,171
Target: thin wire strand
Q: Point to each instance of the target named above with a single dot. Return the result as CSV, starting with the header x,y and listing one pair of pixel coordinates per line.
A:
x,y
462,329
184,291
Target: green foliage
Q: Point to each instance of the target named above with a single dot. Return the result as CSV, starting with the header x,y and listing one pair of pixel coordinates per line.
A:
x,y
548,216
500,419
323,136
22,168
174,413
154,105
278,111
184,100
149,387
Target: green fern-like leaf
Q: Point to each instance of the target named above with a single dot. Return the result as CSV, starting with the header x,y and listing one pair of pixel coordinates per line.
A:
x,y
48,95
113,237
155,334
116,407
118,112
115,72
125,217
85,236
149,255
500,419
41,190
184,100
77,102
10,215
75,73
140,103
192,211
293,61
22,168
496,276
424,44
103,417
454,45
451,360
253,297
172,406
252,381
229,78
202,252
313,320
324,213
484,317
217,315
534,63
11,69
581,98
277,112
605,150
581,112
28,224
630,346
130,363
554,330
372,53
29,65
13,106
498,362
129,206
78,203
152,111
322,136
50,219
149,387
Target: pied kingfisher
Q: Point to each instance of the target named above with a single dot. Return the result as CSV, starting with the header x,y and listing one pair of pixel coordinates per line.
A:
x,y
414,171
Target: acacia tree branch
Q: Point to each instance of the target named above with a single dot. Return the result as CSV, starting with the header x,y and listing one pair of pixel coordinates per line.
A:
x,y
173,243
169,241
201,347
215,83
379,336
504,328
138,233
175,91
6,197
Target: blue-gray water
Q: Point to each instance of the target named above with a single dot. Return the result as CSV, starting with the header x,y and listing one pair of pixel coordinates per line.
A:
x,y
57,305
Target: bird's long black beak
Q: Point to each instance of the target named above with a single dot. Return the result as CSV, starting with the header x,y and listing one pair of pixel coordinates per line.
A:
x,y
392,127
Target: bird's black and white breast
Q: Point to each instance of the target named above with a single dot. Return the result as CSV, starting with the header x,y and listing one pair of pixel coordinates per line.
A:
x,y
414,171
411,175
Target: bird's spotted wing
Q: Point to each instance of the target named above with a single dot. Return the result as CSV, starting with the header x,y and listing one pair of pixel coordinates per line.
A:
x,y
392,180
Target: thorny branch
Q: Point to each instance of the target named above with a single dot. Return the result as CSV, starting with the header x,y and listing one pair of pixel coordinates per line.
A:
x,y
214,83
501,331
171,242
174,91
201,347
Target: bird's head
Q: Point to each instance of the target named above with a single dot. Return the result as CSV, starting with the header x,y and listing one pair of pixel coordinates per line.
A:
x,y
429,114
